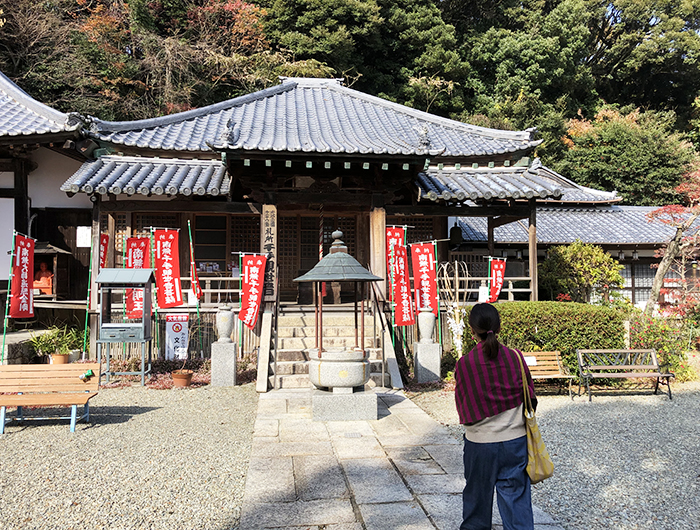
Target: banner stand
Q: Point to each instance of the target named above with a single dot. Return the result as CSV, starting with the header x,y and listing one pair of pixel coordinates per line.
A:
x,y
192,267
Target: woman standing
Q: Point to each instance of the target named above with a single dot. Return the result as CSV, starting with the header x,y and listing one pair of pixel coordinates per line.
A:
x,y
489,397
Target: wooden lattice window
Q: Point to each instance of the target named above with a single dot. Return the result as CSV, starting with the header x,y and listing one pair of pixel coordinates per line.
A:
x,y
245,233
121,227
288,254
144,221
420,228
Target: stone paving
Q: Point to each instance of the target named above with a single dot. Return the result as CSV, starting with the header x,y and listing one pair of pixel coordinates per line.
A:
x,y
402,471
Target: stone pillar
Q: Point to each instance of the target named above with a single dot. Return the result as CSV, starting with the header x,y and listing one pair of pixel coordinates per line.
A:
x,y
377,244
223,363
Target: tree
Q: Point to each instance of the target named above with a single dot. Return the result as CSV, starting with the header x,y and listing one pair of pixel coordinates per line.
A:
x,y
579,270
686,238
633,152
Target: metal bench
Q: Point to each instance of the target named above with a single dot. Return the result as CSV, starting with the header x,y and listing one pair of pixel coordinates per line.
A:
x,y
44,385
547,365
621,364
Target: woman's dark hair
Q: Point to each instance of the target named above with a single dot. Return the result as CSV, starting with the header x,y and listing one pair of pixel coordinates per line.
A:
x,y
486,323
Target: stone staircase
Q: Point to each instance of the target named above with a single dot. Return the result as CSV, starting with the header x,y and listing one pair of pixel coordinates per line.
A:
x,y
296,335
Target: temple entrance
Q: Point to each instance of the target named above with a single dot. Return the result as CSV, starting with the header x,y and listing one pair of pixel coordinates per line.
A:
x,y
300,238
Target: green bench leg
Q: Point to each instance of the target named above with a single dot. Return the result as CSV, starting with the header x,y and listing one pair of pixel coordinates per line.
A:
x,y
2,421
86,411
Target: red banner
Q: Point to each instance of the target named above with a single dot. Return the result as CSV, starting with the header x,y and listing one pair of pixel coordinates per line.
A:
x,y
104,242
425,276
252,279
497,272
22,295
138,256
168,268
395,236
196,288
402,288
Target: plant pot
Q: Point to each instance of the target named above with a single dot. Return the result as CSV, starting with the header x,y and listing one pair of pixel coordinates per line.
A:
x,y
182,378
59,359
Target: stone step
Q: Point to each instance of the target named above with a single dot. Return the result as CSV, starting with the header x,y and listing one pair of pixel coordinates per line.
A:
x,y
291,355
290,368
328,331
291,381
329,320
303,343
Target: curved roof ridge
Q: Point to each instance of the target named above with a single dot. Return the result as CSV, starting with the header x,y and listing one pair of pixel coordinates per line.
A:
x,y
13,91
150,123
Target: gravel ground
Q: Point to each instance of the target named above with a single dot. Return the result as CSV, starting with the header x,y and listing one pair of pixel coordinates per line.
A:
x,y
626,461
149,459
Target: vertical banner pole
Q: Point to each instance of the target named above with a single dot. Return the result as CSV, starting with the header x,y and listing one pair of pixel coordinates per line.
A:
x,y
87,305
192,265
9,297
405,238
439,318
153,258
240,305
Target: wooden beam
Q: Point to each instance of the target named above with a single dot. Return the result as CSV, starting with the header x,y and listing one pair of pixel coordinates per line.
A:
x,y
21,196
7,193
182,206
507,219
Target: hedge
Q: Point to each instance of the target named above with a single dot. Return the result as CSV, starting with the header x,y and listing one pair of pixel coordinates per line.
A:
x,y
566,327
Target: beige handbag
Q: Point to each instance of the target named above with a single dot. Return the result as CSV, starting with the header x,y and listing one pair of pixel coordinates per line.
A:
x,y
539,464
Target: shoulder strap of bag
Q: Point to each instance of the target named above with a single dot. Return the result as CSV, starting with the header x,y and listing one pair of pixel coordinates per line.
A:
x,y
527,400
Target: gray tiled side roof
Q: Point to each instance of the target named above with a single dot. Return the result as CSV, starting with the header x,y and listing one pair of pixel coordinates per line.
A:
x,y
314,116
22,115
132,174
476,184
600,225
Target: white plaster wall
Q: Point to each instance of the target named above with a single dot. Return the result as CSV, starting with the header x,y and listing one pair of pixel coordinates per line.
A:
x,y
45,181
7,179
7,222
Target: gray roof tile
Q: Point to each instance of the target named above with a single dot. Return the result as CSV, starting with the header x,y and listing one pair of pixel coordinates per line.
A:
x,y
131,175
484,184
21,115
599,225
313,116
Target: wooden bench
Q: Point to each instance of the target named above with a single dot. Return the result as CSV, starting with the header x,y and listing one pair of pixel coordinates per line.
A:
x,y
621,364
547,365
46,385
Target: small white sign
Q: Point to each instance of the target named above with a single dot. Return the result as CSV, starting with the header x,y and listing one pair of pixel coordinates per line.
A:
x,y
176,337
530,360
83,236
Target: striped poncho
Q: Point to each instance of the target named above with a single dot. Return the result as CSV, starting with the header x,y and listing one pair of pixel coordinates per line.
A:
x,y
486,387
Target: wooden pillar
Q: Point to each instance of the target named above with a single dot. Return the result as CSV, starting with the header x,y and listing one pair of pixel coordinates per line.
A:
x,y
491,226
21,196
377,246
112,245
532,250
268,246
95,259
440,231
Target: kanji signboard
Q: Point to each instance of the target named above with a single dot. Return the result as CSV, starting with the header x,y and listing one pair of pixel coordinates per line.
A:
x,y
22,294
176,336
138,256
497,271
424,276
252,284
402,289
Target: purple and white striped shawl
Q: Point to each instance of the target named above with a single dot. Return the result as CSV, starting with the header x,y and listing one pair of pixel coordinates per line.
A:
x,y
486,387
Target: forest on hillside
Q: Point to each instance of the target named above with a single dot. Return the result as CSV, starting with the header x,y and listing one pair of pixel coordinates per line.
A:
x,y
613,87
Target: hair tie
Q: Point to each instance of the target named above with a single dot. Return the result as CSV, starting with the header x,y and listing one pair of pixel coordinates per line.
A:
x,y
489,331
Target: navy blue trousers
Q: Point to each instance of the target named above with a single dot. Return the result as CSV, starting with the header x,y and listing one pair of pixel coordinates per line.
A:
x,y
500,466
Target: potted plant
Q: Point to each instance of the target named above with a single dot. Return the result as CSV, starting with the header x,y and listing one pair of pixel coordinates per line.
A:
x,y
57,342
182,377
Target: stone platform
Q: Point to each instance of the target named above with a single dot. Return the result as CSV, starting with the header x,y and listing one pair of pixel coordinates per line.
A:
x,y
401,471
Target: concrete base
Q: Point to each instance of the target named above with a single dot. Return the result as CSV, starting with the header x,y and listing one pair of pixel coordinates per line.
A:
x,y
329,406
223,363
426,362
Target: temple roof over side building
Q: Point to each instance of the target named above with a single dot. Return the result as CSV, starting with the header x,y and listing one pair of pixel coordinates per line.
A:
x,y
602,225
458,184
23,116
314,116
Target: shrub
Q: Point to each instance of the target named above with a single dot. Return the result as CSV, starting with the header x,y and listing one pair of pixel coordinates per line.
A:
x,y
669,340
546,326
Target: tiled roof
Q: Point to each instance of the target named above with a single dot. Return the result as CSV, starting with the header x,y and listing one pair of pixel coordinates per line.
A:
x,y
131,175
21,115
314,116
457,184
599,225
